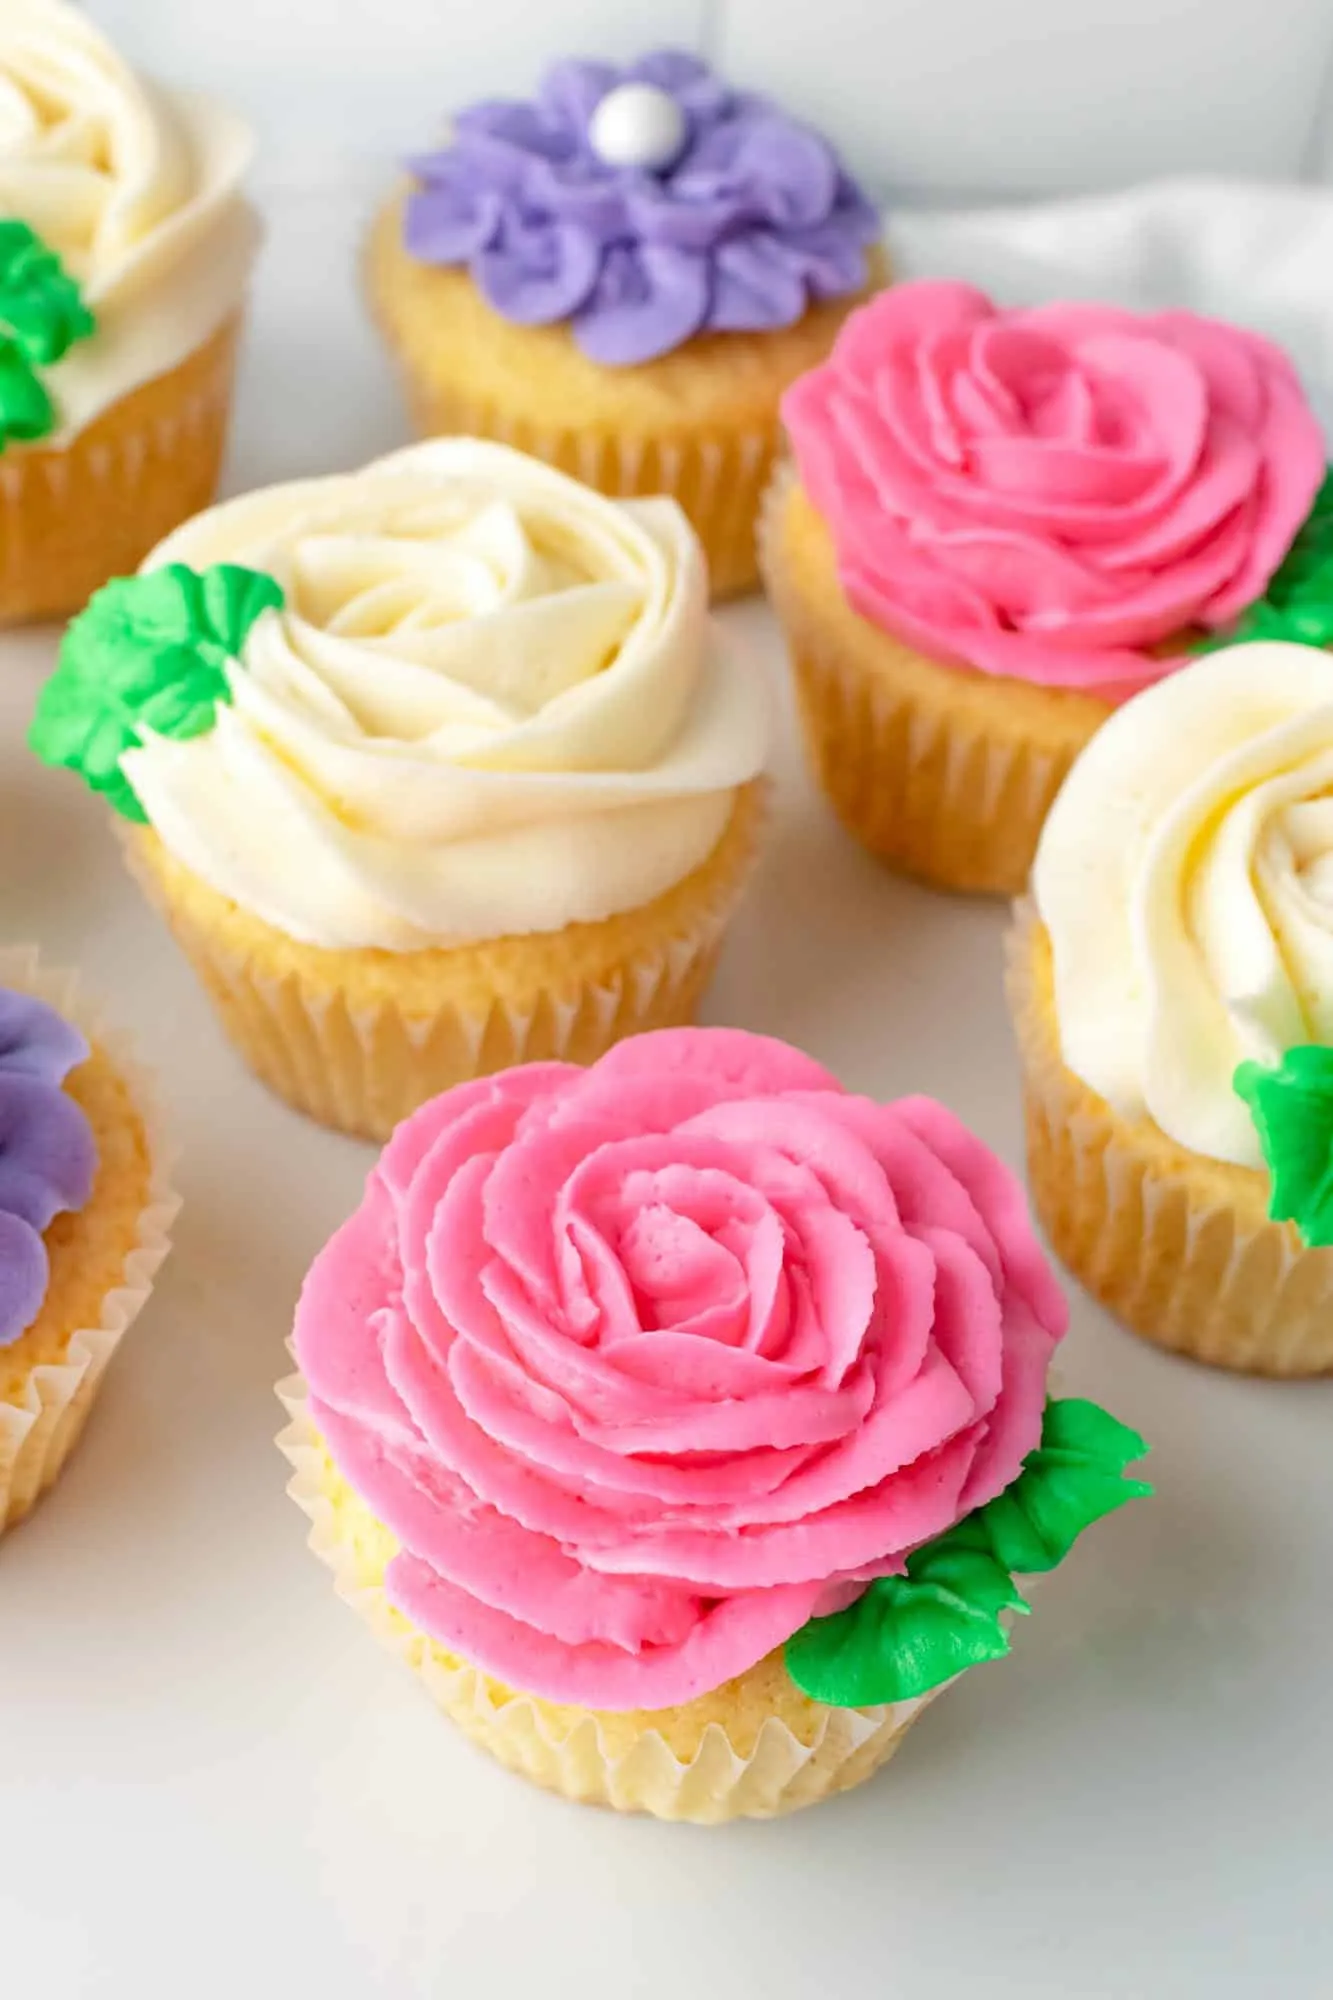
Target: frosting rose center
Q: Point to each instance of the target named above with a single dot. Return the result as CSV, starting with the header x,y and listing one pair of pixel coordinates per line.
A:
x,y
490,702
1186,878
1051,495
646,1364
135,188
73,122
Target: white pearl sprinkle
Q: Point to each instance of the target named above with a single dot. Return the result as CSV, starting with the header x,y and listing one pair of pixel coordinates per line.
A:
x,y
638,125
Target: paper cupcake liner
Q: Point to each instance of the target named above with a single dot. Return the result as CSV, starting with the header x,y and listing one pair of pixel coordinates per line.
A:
x,y
701,423
74,515
565,1750
38,1433
719,480
931,781
362,1068
1179,1248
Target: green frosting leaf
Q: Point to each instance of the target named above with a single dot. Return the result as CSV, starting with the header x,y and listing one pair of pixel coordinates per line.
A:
x,y
1292,1109
1298,604
42,314
1074,1477
41,307
908,1634
150,654
26,411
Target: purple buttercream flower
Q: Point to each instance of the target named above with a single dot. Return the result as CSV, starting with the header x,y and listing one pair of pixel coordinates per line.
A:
x,y
645,205
25,1273
35,1040
48,1157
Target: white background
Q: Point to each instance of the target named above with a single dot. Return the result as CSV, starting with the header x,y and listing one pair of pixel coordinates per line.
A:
x,y
211,1782
936,97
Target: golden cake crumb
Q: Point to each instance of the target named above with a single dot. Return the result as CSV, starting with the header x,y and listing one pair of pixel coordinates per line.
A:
x,y
358,1039
701,423
943,772
717,383
741,1706
74,514
752,1748
89,1248
1179,1247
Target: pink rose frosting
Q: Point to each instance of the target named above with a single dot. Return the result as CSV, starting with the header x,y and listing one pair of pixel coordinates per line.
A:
x,y
1049,494
645,1364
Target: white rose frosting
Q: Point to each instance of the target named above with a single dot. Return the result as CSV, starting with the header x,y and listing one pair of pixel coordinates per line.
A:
x,y
1185,876
493,703
137,190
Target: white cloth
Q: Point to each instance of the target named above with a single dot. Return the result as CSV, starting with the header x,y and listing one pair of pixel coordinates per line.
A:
x,y
1258,254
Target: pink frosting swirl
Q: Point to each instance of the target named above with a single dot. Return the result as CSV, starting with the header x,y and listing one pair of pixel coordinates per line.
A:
x,y
1049,494
644,1364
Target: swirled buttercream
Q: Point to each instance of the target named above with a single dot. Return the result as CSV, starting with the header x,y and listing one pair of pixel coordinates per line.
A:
x,y
135,188
492,703
1048,495
645,1364
1185,877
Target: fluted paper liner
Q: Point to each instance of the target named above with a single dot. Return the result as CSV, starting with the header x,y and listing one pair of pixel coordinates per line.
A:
x,y
566,1750
719,481
700,423
72,515
302,1020
38,1432
944,774
1178,1247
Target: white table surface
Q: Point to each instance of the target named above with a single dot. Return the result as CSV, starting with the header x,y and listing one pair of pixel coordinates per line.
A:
x,y
211,1780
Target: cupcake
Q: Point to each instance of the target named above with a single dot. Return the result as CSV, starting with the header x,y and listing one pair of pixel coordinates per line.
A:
x,y
125,249
432,768
84,1219
683,1421
1172,985
622,276
1000,525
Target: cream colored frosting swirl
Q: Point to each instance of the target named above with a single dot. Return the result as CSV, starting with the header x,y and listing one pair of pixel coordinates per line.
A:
x,y
136,188
491,704
1185,876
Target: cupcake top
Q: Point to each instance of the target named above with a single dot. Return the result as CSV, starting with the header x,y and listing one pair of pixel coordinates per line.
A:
x,y
124,239
642,205
1185,877
652,1367
452,697
1072,495
48,1157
